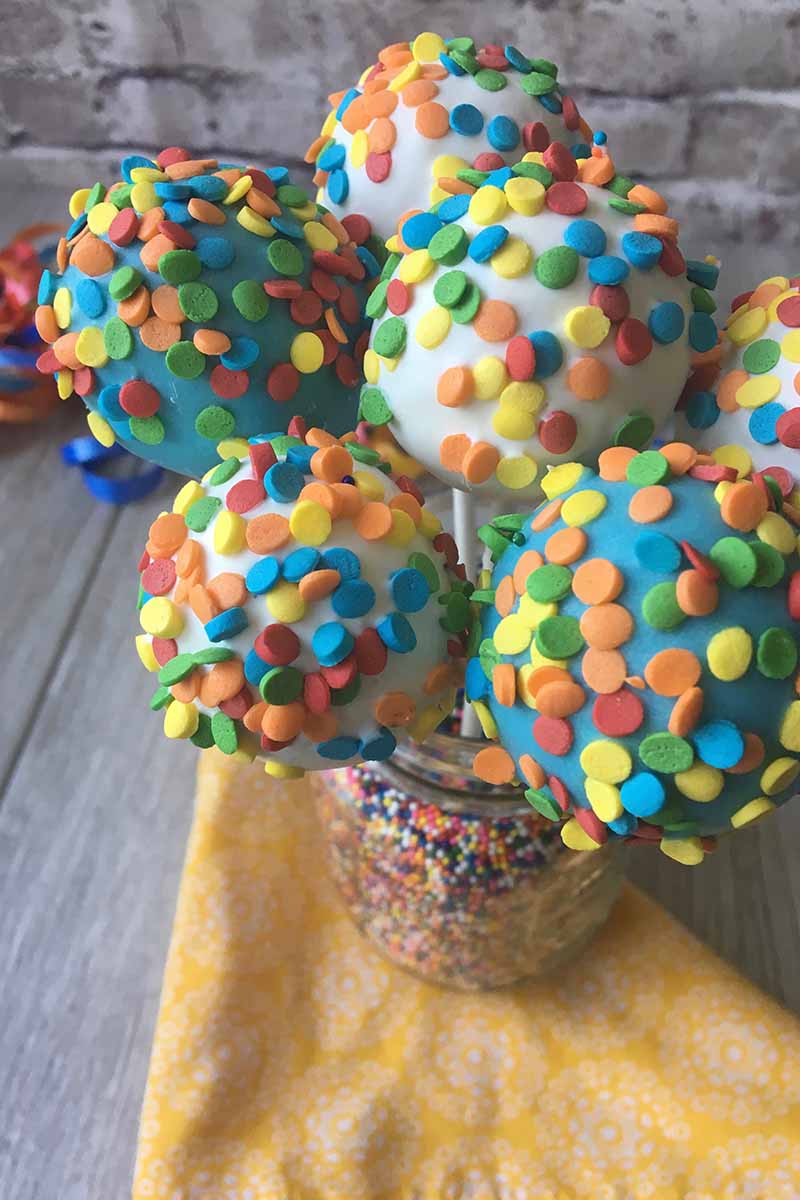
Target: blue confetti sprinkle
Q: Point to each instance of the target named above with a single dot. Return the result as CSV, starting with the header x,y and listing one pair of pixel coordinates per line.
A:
x,y
487,242
332,157
255,668
452,208
763,422
503,133
719,744
702,332
666,322
702,273
475,681
397,634
47,288
90,297
331,643
338,186
347,99
641,249
608,270
418,230
109,405
353,598
518,60
379,746
208,187
586,237
466,119
341,747
642,794
338,558
242,353
226,625
549,354
284,482
299,563
409,589
657,552
263,575
702,410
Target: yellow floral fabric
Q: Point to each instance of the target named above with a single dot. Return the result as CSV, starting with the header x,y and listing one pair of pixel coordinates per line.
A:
x,y
292,1062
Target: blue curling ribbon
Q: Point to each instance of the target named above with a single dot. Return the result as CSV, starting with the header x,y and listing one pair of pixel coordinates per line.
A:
x,y
89,456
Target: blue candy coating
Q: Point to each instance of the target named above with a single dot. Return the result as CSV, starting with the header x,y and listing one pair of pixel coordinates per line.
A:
x,y
331,643
109,406
466,119
226,625
666,322
299,563
263,575
487,242
284,482
719,743
353,598
608,270
503,133
409,589
641,249
586,237
397,634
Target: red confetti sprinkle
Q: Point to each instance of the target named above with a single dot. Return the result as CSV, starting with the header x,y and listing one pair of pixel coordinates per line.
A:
x,y
282,382
488,160
557,432
139,399
330,346
347,371
159,577
444,544
348,306
558,159
143,561
83,381
227,384
47,363
520,358
316,694
237,706
788,428
671,261
782,477
492,60
408,486
702,379
398,297
566,198
332,264
789,311
592,825
297,427
324,285
378,167
340,675
170,155
793,597
164,649
261,181
618,714
177,234
277,645
714,474
633,342
272,746
535,136
306,309
739,300
553,734
244,495
358,228
614,301
370,653
124,227
283,289
700,562
262,457
560,792
570,114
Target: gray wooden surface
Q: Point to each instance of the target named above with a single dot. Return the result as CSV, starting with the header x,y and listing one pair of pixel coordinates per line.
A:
x,y
94,811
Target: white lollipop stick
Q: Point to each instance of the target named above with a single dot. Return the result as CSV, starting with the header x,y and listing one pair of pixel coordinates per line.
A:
x,y
465,525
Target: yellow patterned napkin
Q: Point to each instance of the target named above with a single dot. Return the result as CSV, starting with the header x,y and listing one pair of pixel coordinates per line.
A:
x,y
291,1062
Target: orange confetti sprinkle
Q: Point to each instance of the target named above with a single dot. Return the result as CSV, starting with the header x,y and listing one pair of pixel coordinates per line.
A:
x,y
597,581
650,504
673,671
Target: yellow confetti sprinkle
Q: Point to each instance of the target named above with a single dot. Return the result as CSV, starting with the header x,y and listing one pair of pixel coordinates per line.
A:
x,y
525,196
561,478
319,237
100,217
487,205
189,493
310,523
409,73
583,507
688,851
790,346
758,390
487,721
239,189
604,799
285,603
369,485
531,612
307,353
733,456
280,770
230,533
575,837
403,529
433,327
729,653
100,429
513,424
143,196
427,47
253,222
77,202
90,349
516,471
144,648
181,720
789,736
747,327
512,635
514,258
776,531
359,148
780,773
161,618
415,267
586,326
607,761
700,782
752,811
489,376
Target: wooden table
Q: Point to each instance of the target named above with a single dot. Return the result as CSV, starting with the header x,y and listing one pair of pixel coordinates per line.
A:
x,y
95,807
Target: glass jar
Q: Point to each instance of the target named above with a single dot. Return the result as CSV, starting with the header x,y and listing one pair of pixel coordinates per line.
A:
x,y
458,882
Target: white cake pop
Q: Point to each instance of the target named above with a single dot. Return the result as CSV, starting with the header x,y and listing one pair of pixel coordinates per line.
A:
x,y
752,422
536,321
300,607
428,109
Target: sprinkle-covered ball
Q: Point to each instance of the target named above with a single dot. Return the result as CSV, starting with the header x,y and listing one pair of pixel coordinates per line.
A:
x,y
534,321
752,422
429,110
639,654
196,301
300,607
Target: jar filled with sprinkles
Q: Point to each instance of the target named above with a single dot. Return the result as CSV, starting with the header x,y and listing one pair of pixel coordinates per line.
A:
x,y
458,882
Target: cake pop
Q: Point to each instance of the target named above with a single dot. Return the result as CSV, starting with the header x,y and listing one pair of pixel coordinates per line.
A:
x,y
639,652
300,607
752,422
536,321
429,109
195,301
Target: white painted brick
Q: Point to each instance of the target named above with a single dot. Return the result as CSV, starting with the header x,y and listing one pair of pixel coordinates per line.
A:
x,y
760,137
58,111
645,137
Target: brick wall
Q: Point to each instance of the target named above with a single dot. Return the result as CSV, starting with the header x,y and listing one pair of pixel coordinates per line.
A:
x,y
700,96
